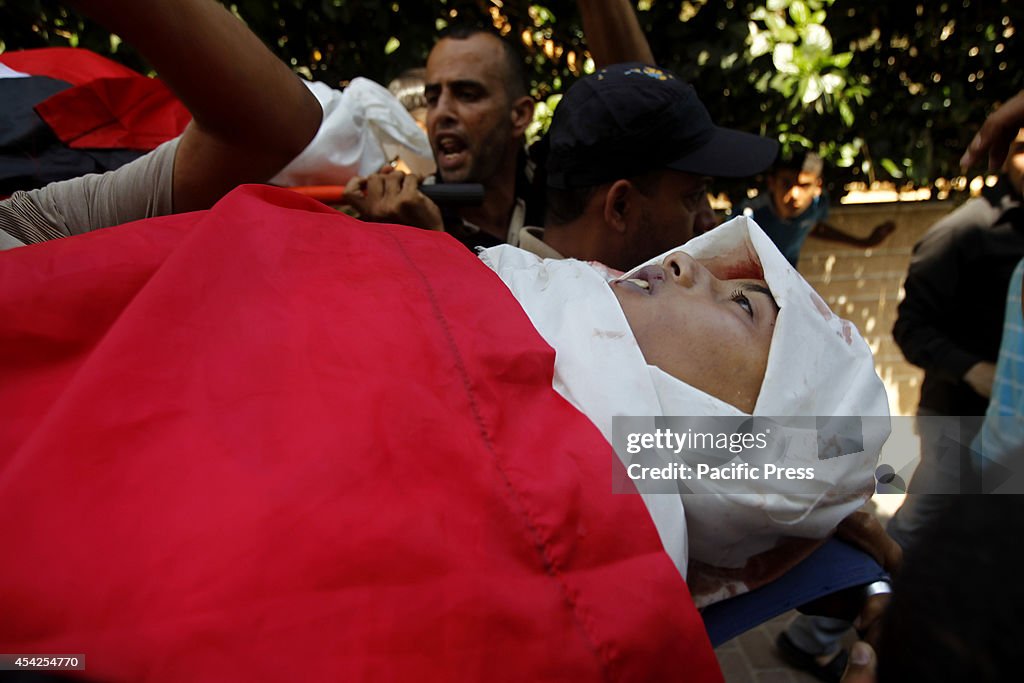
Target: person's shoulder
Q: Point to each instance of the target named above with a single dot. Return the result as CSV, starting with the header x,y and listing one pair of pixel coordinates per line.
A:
x,y
962,225
531,239
974,215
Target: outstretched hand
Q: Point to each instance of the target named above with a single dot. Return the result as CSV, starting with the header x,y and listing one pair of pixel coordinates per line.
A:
x,y
880,232
996,134
392,196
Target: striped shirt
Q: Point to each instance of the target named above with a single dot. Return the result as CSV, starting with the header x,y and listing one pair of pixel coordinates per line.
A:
x,y
1002,433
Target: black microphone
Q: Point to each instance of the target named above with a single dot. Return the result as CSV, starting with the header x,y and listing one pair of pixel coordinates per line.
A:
x,y
454,194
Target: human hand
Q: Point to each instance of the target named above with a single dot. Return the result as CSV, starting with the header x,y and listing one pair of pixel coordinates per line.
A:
x,y
864,531
880,232
862,664
393,197
996,134
981,377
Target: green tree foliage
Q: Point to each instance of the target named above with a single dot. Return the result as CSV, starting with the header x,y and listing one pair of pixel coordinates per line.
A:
x,y
886,90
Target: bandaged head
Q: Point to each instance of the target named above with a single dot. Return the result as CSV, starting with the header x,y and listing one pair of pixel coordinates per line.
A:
x,y
817,365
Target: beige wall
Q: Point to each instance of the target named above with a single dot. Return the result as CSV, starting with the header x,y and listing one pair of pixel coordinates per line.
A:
x,y
866,286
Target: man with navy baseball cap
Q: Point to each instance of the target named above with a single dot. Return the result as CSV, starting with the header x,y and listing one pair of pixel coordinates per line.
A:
x,y
632,150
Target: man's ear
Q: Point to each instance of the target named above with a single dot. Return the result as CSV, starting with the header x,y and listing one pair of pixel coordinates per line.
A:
x,y
619,205
522,115
818,186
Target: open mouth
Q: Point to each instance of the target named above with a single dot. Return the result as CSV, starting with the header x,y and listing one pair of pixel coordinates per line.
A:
x,y
450,150
646,280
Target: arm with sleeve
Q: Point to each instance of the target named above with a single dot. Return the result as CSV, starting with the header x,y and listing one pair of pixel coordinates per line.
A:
x,y
141,189
931,285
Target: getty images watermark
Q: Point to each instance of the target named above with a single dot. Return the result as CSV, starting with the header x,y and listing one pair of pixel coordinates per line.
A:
x,y
812,455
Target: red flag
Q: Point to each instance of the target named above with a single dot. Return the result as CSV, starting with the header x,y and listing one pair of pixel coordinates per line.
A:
x,y
269,441
109,106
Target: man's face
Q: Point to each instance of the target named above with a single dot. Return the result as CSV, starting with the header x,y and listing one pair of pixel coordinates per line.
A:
x,y
469,112
714,334
793,192
1014,165
674,210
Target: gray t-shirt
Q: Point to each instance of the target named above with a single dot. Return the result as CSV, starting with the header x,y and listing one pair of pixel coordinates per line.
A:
x,y
141,189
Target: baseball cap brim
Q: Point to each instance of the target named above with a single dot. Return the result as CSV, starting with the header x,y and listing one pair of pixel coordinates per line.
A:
x,y
729,153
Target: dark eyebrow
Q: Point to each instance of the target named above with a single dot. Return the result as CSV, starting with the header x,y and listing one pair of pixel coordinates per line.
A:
x,y
467,84
760,289
461,83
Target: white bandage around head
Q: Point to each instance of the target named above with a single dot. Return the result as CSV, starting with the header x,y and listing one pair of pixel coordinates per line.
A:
x,y
818,365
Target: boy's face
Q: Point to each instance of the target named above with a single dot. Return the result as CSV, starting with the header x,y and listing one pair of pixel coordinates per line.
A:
x,y
793,192
713,334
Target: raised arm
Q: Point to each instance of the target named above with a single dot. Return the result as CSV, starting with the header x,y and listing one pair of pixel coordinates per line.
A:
x,y
827,231
251,114
996,134
613,32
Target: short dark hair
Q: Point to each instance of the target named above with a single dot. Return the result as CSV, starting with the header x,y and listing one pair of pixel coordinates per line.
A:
x,y
801,161
515,60
566,205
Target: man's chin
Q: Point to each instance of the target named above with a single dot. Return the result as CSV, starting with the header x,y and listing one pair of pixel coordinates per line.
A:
x,y
457,175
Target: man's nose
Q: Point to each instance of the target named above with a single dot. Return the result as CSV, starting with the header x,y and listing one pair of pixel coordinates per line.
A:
x,y
705,220
444,108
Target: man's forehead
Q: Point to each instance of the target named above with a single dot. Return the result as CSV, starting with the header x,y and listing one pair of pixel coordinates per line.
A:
x,y
477,58
796,175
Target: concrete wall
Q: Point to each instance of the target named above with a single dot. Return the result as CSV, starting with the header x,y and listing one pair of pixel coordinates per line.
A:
x,y
865,286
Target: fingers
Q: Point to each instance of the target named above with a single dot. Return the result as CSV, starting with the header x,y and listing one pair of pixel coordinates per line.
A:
x,y
996,134
865,532
393,197
869,619
862,664
355,193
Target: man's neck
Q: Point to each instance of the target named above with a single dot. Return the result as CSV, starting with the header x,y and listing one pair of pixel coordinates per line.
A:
x,y
494,215
571,241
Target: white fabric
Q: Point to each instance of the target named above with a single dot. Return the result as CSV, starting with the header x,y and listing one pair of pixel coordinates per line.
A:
x,y
364,127
8,72
818,365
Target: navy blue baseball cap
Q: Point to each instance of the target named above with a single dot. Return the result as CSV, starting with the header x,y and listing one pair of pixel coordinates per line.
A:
x,y
629,119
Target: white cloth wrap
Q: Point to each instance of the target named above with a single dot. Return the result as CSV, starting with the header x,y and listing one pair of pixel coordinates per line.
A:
x,y
818,365
364,127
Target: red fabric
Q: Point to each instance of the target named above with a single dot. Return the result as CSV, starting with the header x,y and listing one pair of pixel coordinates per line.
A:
x,y
268,441
109,106
115,113
75,65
